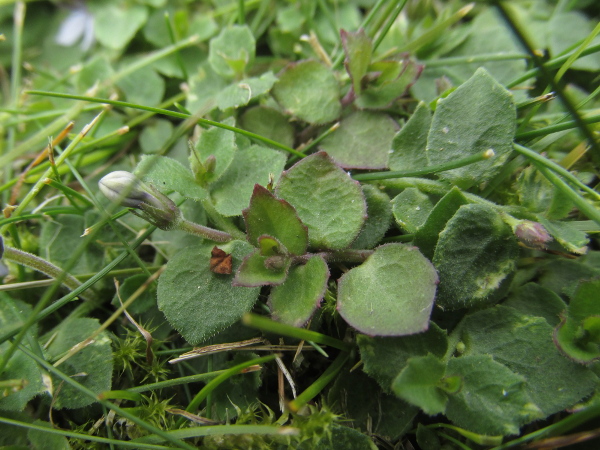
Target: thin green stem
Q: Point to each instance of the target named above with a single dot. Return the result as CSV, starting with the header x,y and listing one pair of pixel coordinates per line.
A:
x,y
202,231
169,113
458,60
84,437
88,393
177,381
594,118
383,33
228,373
487,154
316,141
584,206
222,222
69,192
549,79
317,387
270,326
40,312
565,425
552,64
43,266
169,25
241,12
556,168
437,30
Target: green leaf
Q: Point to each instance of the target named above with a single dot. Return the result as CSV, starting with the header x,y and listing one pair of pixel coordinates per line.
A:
x,y
197,302
577,335
241,93
20,367
274,217
390,294
479,115
232,51
92,367
154,135
475,256
309,91
493,399
524,344
144,86
385,357
362,141
358,49
390,81
411,208
535,300
205,85
219,143
258,270
408,146
254,165
418,384
312,186
379,216
39,439
427,235
166,174
294,301
116,23
268,123
567,235
563,276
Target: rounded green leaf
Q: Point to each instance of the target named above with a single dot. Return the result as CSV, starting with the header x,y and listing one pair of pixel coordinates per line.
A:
x,y
309,91
390,294
197,302
379,217
479,115
259,270
475,256
168,174
116,23
326,199
294,301
268,123
363,141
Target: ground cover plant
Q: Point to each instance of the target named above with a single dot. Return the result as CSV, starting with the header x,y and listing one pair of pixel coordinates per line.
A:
x,y
320,224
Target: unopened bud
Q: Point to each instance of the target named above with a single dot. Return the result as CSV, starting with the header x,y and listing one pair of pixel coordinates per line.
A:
x,y
532,234
151,205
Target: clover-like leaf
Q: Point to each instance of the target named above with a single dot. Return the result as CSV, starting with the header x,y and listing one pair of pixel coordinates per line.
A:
x,y
390,294
274,217
326,199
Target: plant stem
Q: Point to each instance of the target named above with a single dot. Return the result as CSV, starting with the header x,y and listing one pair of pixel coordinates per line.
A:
x,y
41,265
586,208
487,154
457,60
167,112
270,326
222,222
556,168
211,385
547,77
556,128
202,231
314,389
